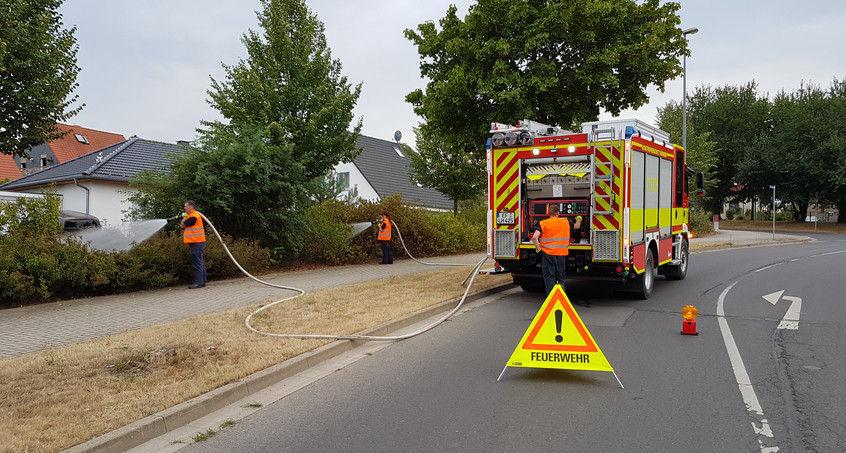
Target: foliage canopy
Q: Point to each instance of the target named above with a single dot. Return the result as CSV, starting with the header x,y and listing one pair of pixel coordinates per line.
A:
x,y
439,165
290,79
37,74
288,110
554,61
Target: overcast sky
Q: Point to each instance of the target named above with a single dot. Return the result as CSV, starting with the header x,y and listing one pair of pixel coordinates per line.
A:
x,y
145,65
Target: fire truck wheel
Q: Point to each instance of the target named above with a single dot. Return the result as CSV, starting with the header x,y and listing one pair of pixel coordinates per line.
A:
x,y
646,281
679,272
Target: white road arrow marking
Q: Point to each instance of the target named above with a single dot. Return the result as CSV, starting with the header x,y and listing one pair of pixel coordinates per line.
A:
x,y
774,297
791,318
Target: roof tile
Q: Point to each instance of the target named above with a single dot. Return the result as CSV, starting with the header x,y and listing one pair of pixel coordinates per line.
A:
x,y
118,162
69,147
387,171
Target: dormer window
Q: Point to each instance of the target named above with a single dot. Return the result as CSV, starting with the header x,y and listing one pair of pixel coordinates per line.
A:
x,y
81,138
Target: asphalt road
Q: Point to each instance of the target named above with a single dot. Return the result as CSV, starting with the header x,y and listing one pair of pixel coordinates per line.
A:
x,y
742,385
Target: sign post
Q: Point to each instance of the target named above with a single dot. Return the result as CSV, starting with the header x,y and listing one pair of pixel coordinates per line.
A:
x,y
773,187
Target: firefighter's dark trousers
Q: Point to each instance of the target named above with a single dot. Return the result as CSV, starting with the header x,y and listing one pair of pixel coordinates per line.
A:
x,y
387,252
197,262
553,271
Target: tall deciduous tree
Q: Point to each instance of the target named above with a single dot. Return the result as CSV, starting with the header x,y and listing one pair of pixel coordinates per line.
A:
x,y
290,78
441,166
554,61
37,73
735,116
288,112
802,150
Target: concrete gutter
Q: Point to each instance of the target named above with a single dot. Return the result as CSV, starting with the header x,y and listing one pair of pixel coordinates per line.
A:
x,y
159,424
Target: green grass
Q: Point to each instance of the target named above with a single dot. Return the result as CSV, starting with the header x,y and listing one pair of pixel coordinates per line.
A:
x,y
204,436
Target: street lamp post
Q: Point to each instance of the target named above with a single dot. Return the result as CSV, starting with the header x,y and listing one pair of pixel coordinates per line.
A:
x,y
689,31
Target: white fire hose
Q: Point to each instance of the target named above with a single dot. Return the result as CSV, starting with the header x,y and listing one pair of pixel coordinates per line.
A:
x,y
300,292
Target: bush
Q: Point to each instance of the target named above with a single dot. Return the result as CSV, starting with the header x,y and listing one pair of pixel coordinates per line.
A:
x,y
37,267
701,222
424,232
32,216
43,267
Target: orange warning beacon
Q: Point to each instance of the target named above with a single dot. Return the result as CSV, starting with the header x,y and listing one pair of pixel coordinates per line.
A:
x,y
689,324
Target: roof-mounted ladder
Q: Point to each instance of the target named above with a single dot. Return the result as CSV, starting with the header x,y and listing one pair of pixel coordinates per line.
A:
x,y
602,176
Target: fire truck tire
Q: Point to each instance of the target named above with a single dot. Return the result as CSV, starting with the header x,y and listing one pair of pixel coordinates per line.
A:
x,y
679,272
646,281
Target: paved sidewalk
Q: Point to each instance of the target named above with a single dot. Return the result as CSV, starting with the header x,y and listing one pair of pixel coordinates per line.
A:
x,y
38,327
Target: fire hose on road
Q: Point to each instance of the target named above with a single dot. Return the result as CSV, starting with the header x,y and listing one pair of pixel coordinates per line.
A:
x,y
471,277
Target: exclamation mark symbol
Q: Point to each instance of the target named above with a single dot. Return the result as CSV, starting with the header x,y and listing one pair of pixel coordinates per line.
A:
x,y
559,317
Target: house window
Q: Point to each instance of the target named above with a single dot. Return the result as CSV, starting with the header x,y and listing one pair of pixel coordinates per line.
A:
x,y
399,153
344,179
23,164
81,138
43,160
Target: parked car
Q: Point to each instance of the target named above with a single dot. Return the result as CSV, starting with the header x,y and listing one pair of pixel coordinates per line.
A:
x,y
74,221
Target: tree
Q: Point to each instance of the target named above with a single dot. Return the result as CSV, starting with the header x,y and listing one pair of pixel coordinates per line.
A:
x,y
330,187
802,149
700,153
437,164
735,116
554,61
249,186
290,79
288,110
37,74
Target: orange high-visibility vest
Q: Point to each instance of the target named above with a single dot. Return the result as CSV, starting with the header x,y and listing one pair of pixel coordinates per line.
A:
x,y
555,236
194,233
385,234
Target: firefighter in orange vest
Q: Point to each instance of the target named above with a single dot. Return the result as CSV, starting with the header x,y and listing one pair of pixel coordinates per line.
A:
x,y
195,236
552,236
384,239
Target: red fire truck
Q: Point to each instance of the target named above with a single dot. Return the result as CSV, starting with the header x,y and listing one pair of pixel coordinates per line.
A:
x,y
626,180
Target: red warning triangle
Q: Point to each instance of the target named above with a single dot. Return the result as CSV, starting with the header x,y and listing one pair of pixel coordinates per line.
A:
x,y
576,338
557,338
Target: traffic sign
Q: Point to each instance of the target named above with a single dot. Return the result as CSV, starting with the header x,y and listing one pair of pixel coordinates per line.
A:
x,y
557,338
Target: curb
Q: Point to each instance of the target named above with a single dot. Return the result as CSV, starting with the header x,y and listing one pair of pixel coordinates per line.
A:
x,y
148,428
714,246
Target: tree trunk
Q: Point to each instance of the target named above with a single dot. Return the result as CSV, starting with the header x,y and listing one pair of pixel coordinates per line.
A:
x,y
455,207
801,211
841,214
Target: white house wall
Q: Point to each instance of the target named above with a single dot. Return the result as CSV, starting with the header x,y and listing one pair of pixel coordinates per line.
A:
x,y
107,201
365,190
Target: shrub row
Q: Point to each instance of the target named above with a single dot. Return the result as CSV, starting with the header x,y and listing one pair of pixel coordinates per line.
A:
x,y
38,267
424,233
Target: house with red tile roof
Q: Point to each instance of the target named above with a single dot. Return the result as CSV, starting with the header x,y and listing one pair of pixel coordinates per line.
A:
x,y
9,169
97,183
78,141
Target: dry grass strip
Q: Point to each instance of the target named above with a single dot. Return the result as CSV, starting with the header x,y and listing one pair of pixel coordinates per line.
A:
x,y
58,398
